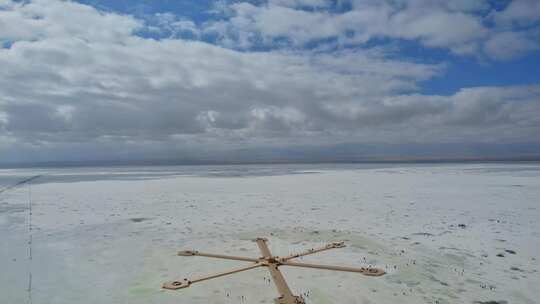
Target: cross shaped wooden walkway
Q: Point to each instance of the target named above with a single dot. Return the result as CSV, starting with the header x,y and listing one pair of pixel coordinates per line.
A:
x,y
272,263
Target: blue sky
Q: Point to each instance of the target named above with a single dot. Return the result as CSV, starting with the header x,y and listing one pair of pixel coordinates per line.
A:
x,y
461,71
171,79
469,72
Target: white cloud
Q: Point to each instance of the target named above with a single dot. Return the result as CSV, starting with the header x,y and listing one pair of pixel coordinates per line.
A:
x,y
61,86
65,112
519,12
171,26
82,78
436,28
43,18
458,26
302,3
507,45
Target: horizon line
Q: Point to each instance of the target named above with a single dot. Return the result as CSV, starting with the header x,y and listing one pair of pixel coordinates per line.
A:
x,y
289,161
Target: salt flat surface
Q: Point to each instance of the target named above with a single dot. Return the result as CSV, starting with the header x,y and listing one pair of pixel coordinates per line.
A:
x,y
467,233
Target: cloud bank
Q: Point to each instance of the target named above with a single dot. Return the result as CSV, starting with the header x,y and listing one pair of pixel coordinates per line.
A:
x,y
74,78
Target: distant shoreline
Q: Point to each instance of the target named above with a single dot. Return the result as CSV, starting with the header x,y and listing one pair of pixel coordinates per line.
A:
x,y
126,163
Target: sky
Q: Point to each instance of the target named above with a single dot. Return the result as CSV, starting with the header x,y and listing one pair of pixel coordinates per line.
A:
x,y
261,80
